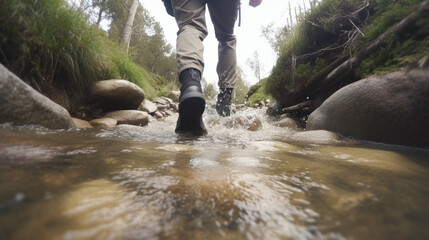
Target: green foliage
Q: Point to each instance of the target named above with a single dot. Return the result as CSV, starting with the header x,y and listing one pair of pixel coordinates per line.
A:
x,y
386,14
241,88
398,50
257,93
275,36
48,42
153,52
118,65
210,92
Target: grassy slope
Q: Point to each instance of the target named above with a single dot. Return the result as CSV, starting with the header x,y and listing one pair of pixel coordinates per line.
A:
x,y
51,46
325,26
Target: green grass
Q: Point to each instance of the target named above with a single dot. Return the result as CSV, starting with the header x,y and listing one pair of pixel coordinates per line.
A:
x,y
50,44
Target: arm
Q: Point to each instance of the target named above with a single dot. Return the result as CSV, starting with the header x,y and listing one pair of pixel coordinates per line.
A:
x,y
254,3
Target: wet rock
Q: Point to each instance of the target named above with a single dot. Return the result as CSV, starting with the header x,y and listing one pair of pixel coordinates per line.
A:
x,y
288,122
317,136
117,94
175,107
274,109
103,122
272,146
392,108
148,106
250,123
349,201
162,107
20,104
169,100
169,113
152,118
81,123
158,115
239,107
129,127
171,119
132,117
161,101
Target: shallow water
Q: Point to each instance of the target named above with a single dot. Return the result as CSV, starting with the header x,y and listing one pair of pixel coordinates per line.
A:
x,y
148,183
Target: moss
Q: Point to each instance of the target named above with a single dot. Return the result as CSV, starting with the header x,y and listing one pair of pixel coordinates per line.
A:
x,y
400,51
325,27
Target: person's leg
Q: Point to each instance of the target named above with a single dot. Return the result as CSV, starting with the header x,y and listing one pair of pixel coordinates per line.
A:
x,y
224,15
190,19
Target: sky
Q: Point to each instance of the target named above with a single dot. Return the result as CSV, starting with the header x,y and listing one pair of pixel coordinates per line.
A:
x,y
249,37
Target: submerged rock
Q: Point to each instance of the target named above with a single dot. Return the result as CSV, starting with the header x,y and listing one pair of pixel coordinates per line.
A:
x,y
317,136
20,104
103,122
251,123
392,108
288,122
81,123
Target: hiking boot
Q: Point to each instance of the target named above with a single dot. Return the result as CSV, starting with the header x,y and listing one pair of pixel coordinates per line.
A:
x,y
191,104
223,104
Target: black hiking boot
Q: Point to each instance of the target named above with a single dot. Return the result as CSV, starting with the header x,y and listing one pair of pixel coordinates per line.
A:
x,y
223,104
191,104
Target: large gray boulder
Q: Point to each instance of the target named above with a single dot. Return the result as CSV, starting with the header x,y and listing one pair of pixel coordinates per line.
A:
x,y
392,108
117,94
20,104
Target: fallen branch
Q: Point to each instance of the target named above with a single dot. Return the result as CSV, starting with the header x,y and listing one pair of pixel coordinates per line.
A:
x,y
298,106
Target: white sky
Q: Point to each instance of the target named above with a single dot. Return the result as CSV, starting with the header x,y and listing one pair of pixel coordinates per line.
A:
x,y
249,37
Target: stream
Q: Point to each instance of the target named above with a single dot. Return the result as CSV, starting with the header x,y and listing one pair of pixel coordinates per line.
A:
x,y
148,183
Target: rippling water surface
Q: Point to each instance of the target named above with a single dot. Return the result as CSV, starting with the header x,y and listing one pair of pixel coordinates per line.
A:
x,y
148,183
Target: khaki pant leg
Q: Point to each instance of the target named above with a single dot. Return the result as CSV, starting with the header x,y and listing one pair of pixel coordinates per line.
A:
x,y
224,15
190,18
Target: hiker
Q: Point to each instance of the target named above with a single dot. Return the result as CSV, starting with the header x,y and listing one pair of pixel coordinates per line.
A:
x,y
190,18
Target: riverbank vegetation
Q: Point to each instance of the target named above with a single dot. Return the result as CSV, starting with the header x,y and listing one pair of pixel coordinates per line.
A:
x,y
59,48
333,32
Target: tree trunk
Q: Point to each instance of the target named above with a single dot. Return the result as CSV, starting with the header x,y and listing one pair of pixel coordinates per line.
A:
x,y
100,16
124,41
